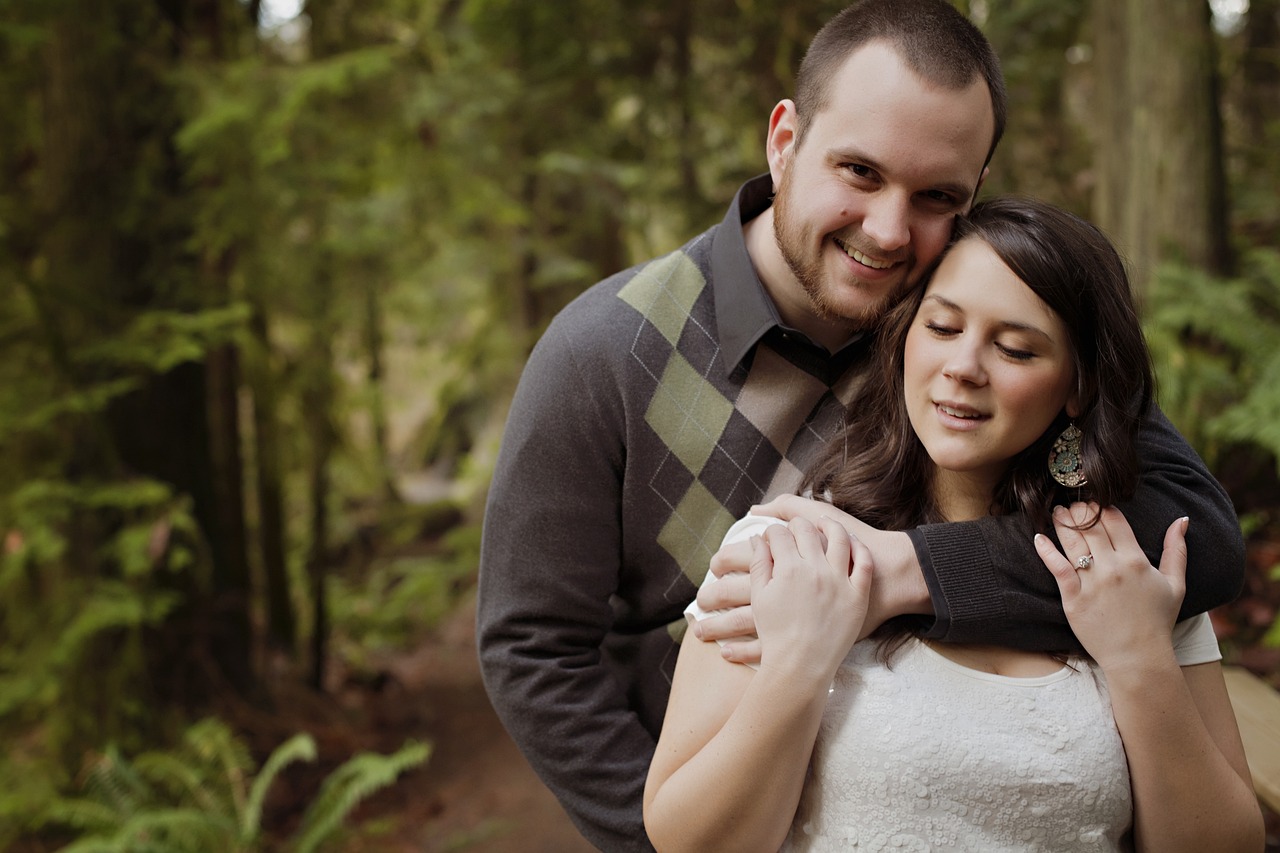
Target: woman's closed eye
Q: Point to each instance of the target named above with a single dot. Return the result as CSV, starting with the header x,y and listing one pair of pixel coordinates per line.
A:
x,y
941,330
1015,352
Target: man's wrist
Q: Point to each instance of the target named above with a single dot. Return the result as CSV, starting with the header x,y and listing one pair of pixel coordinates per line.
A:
x,y
905,588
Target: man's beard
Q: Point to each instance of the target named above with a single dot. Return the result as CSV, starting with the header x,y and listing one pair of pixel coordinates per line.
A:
x,y
808,270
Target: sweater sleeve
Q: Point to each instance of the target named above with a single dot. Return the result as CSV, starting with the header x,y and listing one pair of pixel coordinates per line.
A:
x,y
549,565
988,585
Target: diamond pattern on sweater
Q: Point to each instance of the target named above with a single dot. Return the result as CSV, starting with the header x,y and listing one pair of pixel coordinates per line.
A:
x,y
693,532
731,441
688,413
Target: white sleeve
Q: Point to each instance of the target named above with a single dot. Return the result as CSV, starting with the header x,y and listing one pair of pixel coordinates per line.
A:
x,y
1195,642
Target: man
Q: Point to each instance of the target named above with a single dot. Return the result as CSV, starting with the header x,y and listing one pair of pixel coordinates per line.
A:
x,y
670,397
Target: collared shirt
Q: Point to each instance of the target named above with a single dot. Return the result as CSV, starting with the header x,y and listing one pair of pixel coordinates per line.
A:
x,y
744,312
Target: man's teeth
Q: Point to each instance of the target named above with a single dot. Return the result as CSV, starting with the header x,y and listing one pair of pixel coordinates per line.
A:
x,y
867,260
956,413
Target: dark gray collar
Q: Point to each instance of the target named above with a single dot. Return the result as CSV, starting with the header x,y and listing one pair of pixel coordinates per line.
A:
x,y
744,312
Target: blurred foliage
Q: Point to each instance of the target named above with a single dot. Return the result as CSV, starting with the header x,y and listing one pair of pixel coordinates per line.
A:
x,y
1216,345
400,598
205,795
353,228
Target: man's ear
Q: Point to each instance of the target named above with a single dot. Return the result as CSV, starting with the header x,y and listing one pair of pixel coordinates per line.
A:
x,y
781,142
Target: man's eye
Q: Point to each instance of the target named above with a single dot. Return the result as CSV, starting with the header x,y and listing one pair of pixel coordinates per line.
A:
x,y
860,170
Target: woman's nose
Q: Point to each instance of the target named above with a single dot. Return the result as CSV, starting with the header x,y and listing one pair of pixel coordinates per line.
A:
x,y
964,364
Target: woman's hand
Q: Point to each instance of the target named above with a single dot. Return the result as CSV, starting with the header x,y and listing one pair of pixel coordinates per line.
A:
x,y
810,588
1121,608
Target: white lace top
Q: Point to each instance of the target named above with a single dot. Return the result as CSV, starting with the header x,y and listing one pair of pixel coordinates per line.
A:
x,y
933,755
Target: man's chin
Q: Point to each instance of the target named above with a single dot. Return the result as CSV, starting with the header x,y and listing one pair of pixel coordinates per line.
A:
x,y
860,305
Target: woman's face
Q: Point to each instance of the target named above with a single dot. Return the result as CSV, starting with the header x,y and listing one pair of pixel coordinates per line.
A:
x,y
987,367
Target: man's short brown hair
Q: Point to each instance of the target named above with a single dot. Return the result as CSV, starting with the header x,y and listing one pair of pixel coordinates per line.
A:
x,y
932,37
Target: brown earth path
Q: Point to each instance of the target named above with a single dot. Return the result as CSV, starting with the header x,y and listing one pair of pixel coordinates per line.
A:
x,y
476,792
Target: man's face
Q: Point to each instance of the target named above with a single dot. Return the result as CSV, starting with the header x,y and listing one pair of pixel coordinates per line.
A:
x,y
865,201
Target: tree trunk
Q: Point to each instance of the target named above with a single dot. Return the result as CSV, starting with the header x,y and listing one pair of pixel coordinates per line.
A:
x,y
1261,69
318,398
1161,182
374,343
282,629
1260,137
102,165
231,636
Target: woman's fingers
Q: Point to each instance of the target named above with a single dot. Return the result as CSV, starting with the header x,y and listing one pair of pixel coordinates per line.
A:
x,y
1073,542
761,563
1118,531
1173,560
1086,520
863,570
839,544
823,544
1063,571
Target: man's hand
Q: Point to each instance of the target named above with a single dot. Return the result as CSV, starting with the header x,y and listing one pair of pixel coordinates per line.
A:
x,y
899,586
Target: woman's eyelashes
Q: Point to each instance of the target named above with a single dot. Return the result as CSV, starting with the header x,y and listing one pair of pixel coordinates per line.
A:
x,y
1011,349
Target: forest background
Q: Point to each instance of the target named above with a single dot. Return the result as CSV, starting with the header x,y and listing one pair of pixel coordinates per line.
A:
x,y
268,284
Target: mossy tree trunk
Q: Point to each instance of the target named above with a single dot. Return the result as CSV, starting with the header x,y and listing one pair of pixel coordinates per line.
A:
x,y
1161,191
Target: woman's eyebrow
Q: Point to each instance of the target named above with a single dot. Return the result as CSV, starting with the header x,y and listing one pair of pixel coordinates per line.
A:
x,y
1012,325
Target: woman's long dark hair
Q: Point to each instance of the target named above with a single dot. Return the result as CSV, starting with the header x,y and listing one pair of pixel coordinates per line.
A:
x,y
878,470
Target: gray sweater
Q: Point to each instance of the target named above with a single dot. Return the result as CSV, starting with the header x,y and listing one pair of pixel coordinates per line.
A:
x,y
656,409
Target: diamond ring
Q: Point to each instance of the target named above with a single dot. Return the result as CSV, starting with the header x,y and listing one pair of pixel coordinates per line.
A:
x,y
1084,562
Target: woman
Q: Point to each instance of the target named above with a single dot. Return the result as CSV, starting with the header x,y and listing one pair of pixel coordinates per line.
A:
x,y
1023,345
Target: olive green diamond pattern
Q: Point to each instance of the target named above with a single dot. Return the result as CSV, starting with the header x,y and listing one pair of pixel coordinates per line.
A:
x,y
694,531
687,413
664,292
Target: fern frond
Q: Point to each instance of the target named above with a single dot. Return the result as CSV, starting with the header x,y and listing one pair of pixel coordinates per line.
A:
x,y
80,813
213,743
113,782
97,845
177,776
348,785
300,747
165,831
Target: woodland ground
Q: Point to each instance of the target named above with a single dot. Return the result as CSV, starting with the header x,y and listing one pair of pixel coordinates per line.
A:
x,y
477,793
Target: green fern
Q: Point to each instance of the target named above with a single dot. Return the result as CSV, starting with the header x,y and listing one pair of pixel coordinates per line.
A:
x,y
300,747
114,782
79,813
347,786
205,796
165,830
1216,347
176,777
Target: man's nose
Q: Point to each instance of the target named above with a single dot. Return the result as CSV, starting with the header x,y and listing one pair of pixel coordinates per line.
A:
x,y
888,221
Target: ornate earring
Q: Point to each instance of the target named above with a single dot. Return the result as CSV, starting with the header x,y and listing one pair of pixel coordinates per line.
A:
x,y
1064,458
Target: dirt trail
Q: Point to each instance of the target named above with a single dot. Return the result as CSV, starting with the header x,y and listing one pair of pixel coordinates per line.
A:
x,y
477,792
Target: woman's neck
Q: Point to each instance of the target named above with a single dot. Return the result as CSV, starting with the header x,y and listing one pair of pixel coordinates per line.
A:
x,y
962,496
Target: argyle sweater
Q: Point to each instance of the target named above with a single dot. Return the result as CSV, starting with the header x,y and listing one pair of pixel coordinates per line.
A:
x,y
632,444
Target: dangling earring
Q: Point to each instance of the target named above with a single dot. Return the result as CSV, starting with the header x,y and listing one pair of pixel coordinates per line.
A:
x,y
1064,458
